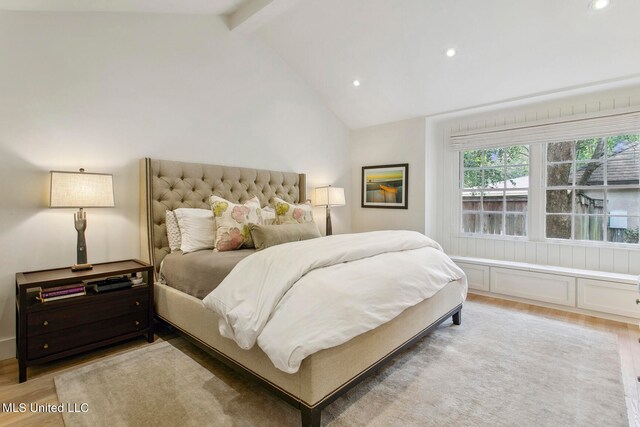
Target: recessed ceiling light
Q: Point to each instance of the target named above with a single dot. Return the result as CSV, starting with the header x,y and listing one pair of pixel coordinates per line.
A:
x,y
450,52
356,83
599,4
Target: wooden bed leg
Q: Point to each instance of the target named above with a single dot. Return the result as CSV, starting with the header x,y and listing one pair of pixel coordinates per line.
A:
x,y
310,416
457,317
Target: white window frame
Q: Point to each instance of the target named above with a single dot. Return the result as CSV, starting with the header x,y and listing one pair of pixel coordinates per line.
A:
x,y
461,191
604,188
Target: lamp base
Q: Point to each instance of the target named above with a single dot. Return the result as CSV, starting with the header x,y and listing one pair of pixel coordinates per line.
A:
x,y
81,267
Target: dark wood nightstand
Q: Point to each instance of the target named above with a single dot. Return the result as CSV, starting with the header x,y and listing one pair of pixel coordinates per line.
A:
x,y
55,329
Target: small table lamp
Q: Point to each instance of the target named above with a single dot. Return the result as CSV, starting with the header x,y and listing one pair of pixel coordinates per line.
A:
x,y
81,190
329,196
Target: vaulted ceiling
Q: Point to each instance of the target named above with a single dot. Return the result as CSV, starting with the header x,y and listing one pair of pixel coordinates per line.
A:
x,y
506,49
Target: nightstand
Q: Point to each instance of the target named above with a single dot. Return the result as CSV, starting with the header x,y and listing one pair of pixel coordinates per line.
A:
x,y
55,329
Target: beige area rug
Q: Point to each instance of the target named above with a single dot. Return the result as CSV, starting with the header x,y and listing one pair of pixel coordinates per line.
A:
x,y
499,368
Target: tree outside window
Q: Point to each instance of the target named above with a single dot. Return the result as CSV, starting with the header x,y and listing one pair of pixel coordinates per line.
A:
x,y
593,189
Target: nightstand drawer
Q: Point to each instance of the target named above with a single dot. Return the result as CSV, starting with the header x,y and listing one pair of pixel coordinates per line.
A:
x,y
65,339
88,309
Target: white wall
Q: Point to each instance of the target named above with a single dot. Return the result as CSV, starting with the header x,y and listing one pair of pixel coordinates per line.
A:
x,y
399,142
101,91
536,250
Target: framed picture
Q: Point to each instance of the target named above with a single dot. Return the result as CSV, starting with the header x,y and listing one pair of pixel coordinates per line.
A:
x,y
385,186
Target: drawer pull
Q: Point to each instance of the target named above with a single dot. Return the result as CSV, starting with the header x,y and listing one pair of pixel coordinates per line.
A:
x,y
45,346
137,302
137,323
45,323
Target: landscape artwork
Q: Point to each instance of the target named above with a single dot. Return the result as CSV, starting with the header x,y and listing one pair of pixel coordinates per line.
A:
x,y
385,186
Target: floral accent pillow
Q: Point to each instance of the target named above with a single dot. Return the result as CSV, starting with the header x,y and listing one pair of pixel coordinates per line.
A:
x,y
289,213
269,216
232,222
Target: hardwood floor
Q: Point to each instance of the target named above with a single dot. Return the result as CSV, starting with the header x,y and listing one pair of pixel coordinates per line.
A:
x,y
40,387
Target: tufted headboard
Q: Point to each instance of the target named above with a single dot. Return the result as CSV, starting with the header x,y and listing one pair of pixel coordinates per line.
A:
x,y
168,185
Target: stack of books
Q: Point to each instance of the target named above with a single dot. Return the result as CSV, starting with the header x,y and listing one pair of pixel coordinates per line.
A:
x,y
62,292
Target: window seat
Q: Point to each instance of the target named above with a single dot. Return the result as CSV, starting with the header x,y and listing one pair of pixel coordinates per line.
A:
x,y
596,293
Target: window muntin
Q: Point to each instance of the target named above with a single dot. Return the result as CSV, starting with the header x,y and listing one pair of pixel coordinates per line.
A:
x,y
592,190
495,191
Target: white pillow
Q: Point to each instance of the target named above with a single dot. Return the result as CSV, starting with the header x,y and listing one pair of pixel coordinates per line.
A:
x,y
197,229
269,216
173,231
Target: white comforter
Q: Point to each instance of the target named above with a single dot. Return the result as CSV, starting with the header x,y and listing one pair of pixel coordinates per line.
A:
x,y
298,298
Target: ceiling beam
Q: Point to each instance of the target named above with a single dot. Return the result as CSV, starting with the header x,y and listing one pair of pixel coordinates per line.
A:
x,y
256,13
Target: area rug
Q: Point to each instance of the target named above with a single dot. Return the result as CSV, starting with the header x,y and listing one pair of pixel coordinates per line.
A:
x,y
499,368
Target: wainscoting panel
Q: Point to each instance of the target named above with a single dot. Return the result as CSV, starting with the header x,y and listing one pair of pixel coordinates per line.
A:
x,y
477,275
608,297
537,286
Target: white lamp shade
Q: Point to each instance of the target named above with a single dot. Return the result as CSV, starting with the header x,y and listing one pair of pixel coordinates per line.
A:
x,y
329,196
81,190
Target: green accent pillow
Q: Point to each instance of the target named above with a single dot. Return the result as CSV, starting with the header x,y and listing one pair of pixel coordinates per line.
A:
x,y
265,236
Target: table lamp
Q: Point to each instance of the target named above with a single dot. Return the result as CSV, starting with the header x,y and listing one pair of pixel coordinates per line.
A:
x,y
329,196
81,190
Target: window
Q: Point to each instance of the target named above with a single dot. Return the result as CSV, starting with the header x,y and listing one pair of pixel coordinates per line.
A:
x,y
495,191
592,190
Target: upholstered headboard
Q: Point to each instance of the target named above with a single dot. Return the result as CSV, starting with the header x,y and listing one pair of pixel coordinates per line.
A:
x,y
168,185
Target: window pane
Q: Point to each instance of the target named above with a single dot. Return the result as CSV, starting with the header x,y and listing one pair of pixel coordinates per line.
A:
x,y
590,149
517,202
591,173
494,178
623,202
486,175
518,155
623,165
588,227
470,201
494,157
623,229
560,151
515,225
559,201
493,201
559,226
600,213
471,223
492,223
560,175
472,178
621,143
473,158
589,202
518,177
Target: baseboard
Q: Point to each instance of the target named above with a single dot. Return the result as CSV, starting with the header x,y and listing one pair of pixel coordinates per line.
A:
x,y
608,316
7,348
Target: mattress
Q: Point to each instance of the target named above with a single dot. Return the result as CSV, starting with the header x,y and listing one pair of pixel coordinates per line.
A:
x,y
199,273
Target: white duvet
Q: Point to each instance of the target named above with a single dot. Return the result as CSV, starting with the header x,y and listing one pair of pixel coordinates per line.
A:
x,y
301,297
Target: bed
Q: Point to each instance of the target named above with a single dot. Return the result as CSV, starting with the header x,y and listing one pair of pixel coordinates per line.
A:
x,y
323,376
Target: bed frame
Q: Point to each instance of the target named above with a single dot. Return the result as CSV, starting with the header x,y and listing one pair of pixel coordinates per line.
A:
x,y
324,376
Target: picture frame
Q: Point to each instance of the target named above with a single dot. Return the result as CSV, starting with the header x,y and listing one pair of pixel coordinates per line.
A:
x,y
385,186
